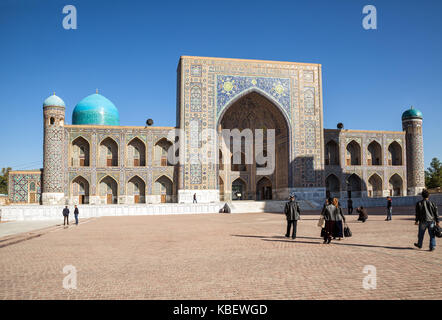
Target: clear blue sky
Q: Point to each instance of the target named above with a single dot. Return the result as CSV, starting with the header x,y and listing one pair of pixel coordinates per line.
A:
x,y
130,50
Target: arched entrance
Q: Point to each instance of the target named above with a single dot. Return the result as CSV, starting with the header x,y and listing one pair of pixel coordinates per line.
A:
x,y
255,111
332,186
238,189
354,186
136,188
164,188
109,190
375,186
80,190
395,185
264,189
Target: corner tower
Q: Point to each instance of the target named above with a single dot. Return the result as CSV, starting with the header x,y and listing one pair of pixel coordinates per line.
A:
x,y
412,125
53,153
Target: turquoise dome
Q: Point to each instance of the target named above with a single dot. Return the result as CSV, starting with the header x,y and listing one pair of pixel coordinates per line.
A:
x,y
412,113
96,110
53,101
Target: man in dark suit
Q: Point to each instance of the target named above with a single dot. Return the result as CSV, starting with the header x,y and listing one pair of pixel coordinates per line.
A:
x,y
66,216
293,214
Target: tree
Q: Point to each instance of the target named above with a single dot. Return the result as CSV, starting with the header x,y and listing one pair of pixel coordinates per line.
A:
x,y
4,180
433,176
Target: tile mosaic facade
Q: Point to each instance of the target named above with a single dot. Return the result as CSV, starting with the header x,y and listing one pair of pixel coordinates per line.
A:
x,y
207,89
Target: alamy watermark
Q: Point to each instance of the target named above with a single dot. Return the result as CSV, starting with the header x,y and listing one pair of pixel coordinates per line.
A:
x,y
369,281
70,281
370,20
237,147
70,20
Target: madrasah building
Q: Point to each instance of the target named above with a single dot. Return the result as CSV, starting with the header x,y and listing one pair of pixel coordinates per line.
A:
x,y
94,160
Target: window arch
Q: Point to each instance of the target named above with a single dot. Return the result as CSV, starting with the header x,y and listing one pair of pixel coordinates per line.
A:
x,y
161,152
374,155
136,153
108,153
332,153
80,155
395,154
353,156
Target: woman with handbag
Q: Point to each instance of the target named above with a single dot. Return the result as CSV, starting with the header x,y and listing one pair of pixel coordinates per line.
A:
x,y
339,220
329,213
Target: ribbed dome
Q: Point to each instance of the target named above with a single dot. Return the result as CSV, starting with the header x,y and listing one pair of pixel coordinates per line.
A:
x,y
53,101
412,113
96,110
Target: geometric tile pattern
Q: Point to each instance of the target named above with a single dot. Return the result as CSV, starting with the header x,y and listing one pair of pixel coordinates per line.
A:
x,y
20,185
228,87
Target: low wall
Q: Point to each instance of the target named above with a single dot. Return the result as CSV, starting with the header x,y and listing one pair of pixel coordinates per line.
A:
x,y
397,201
38,212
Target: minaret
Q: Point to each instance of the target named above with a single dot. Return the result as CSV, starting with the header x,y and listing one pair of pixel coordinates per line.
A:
x,y
53,151
412,125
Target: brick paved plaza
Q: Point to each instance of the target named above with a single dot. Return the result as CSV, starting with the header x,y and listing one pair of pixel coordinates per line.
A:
x,y
219,256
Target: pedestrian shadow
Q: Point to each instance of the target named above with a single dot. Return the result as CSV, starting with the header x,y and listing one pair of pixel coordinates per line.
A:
x,y
291,241
271,237
371,246
334,242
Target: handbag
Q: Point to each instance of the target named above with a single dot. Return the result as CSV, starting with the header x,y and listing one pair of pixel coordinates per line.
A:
x,y
437,231
347,232
321,222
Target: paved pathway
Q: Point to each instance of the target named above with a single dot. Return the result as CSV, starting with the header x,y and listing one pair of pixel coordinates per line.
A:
x,y
16,227
220,256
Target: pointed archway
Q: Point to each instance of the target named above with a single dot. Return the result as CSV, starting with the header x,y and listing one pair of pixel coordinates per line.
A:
x,y
109,190
264,189
251,114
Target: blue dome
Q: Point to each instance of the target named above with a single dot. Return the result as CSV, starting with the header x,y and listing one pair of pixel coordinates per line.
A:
x,y
412,113
96,110
53,101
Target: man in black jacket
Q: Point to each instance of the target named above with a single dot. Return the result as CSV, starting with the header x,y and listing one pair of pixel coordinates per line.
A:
x,y
76,215
66,216
426,216
389,209
293,214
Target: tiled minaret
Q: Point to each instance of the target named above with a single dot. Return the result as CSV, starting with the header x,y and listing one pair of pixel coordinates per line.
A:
x,y
53,151
412,125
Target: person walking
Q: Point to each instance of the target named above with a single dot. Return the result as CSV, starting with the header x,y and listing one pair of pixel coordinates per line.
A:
x,y
389,209
349,206
339,220
293,214
194,198
66,216
76,215
426,217
329,214
363,215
